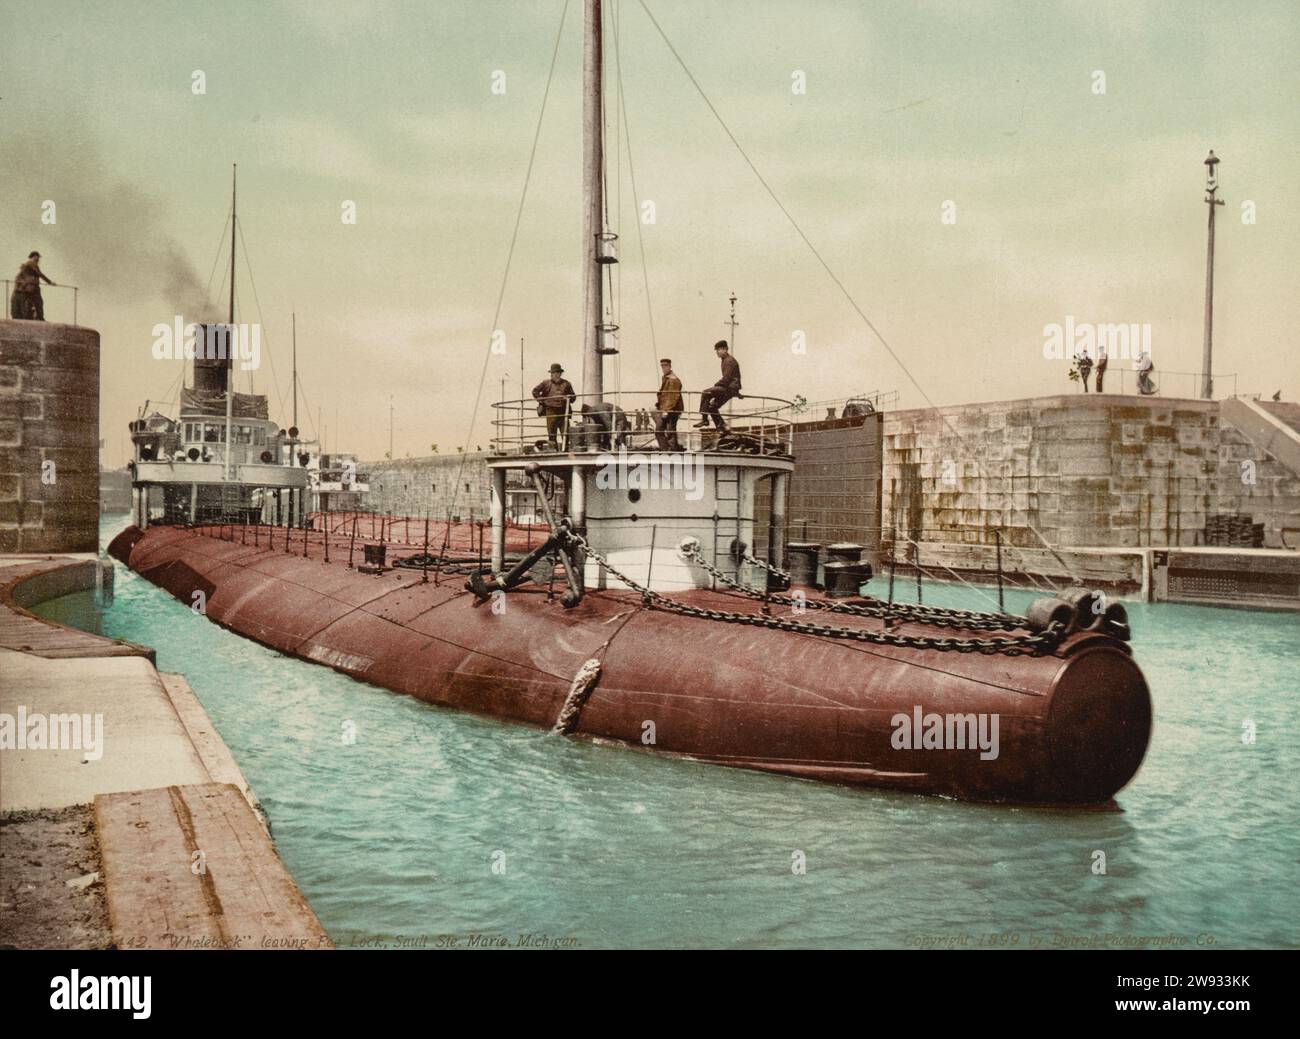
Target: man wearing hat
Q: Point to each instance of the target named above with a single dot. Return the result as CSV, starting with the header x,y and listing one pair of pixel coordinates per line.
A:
x,y
26,304
554,394
721,391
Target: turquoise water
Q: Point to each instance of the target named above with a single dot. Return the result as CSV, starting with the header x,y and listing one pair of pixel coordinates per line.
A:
x,y
394,838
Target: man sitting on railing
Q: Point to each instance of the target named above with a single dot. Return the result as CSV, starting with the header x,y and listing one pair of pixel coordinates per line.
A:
x,y
720,392
26,304
553,396
668,408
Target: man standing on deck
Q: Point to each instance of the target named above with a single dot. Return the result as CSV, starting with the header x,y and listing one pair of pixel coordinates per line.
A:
x,y
26,304
1144,367
553,396
721,391
668,408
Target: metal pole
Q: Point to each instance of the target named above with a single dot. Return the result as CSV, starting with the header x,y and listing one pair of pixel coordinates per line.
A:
x,y
578,516
776,522
425,567
1207,370
498,504
230,327
997,534
650,567
917,546
893,557
593,220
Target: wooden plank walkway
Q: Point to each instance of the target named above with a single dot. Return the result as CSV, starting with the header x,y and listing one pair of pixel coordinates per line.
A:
x,y
190,867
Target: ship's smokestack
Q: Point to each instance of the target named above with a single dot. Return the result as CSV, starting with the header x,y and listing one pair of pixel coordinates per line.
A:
x,y
212,359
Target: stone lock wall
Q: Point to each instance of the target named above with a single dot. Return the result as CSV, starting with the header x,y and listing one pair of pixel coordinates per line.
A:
x,y
420,486
49,437
1099,471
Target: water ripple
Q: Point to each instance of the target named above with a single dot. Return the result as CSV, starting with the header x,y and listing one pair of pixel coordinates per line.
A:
x,y
434,822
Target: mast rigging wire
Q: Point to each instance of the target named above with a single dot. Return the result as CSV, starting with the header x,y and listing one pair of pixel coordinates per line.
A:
x,y
207,292
505,276
270,354
640,237
827,267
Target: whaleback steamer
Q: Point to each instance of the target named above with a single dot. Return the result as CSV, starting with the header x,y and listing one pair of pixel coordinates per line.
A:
x,y
640,614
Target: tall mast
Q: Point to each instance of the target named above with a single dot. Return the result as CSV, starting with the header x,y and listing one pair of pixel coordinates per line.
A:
x,y
593,186
234,171
1207,370
230,327
295,369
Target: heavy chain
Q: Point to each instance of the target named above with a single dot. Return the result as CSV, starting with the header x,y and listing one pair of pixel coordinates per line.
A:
x,y
771,568
936,616
1038,644
440,563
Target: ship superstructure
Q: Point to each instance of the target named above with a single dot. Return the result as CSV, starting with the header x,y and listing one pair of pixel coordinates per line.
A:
x,y
222,458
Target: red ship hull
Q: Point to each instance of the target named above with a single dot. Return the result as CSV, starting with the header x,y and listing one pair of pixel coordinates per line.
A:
x,y
1072,726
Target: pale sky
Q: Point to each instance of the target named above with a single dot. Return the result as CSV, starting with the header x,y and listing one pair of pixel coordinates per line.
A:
x,y
1068,201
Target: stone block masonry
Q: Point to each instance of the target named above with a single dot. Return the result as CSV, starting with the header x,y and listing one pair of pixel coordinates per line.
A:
x,y
1103,471
49,437
430,485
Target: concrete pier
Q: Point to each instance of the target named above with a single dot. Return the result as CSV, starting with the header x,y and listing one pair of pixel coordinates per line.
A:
x,y
124,820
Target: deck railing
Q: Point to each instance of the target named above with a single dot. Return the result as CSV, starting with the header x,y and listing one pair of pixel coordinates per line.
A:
x,y
755,425
9,289
1120,378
